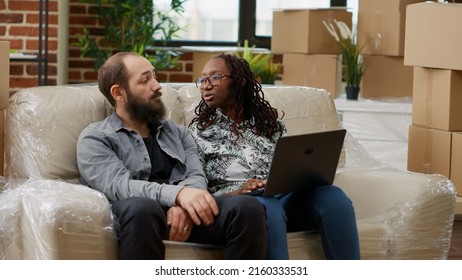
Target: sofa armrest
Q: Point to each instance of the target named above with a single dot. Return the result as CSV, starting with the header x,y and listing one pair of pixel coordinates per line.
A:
x,y
10,235
60,220
400,214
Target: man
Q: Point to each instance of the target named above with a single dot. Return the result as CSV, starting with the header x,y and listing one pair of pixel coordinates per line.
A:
x,y
149,169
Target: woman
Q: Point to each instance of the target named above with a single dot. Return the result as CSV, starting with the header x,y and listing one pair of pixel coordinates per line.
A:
x,y
236,131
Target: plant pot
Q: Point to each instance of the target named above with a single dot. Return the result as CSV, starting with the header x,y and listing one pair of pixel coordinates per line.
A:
x,y
352,92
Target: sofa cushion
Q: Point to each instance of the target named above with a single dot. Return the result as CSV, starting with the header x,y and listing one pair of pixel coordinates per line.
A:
x,y
172,103
306,109
43,124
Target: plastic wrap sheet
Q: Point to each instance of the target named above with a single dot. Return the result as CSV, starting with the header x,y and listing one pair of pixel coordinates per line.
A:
x,y
58,221
42,126
380,126
366,123
400,214
10,234
366,117
357,156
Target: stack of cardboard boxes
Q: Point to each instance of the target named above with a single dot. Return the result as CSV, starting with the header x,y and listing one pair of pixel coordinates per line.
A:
x,y
310,53
381,27
4,93
434,48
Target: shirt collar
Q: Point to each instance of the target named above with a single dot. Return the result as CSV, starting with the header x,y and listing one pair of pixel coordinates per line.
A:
x,y
225,119
118,125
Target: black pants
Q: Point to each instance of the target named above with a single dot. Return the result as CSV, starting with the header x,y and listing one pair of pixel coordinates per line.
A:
x,y
240,227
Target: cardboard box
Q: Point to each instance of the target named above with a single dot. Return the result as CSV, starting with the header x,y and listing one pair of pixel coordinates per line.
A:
x,y
4,74
386,77
303,31
456,162
313,70
429,150
437,98
381,26
200,58
433,37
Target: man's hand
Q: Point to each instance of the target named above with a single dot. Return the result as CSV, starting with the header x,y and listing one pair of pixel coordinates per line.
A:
x,y
200,204
180,224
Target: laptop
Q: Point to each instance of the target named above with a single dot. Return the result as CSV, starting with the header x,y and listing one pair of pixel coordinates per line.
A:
x,y
304,162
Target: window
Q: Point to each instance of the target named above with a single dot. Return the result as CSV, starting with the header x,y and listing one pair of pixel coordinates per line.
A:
x,y
205,20
227,22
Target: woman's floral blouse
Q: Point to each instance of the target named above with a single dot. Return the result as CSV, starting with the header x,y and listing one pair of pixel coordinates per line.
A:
x,y
228,160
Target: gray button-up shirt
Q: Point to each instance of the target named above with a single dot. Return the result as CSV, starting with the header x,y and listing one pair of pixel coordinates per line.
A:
x,y
115,161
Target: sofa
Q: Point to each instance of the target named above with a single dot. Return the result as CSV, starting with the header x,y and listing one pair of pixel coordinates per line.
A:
x,y
46,214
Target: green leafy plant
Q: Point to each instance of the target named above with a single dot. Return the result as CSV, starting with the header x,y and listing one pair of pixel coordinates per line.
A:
x,y
352,60
131,25
260,63
270,73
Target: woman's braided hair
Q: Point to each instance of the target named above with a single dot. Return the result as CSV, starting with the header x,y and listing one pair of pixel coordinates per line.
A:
x,y
248,102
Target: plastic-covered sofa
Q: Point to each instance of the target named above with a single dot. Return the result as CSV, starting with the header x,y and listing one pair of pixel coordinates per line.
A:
x,y
46,214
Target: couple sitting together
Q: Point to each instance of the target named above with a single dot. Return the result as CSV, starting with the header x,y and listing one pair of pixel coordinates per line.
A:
x,y
169,182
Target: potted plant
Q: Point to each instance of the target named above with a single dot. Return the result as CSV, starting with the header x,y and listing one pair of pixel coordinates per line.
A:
x,y
261,64
130,25
270,73
353,67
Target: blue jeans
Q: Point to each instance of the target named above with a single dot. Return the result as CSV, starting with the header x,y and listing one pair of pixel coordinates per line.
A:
x,y
327,210
276,246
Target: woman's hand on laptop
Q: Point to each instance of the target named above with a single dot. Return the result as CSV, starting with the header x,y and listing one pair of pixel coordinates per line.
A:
x,y
252,185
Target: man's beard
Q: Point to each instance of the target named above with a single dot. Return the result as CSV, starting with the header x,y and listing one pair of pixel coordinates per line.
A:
x,y
151,112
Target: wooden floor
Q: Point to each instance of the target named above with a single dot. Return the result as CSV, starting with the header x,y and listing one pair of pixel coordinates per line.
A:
x,y
455,253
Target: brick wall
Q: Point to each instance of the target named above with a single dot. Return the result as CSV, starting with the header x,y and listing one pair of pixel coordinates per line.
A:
x,y
19,21
82,69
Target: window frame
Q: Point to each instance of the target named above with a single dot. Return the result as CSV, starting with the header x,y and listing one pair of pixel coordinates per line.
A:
x,y
246,30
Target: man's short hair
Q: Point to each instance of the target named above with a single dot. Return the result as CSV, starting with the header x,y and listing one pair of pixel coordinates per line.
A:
x,y
114,72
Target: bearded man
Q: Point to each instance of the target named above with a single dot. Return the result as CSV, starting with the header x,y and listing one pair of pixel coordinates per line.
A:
x,y
149,170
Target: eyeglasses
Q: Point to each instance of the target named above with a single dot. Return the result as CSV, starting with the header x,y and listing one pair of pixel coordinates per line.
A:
x,y
213,80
